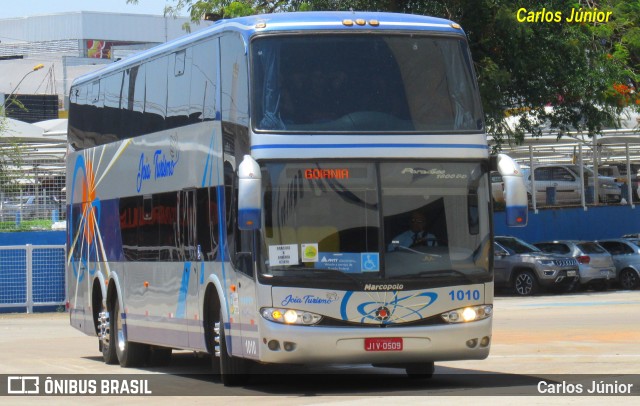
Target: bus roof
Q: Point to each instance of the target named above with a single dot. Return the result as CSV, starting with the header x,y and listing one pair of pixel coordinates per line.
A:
x,y
334,21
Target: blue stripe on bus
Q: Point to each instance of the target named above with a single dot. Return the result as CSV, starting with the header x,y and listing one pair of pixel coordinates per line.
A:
x,y
316,146
181,311
202,273
208,169
343,305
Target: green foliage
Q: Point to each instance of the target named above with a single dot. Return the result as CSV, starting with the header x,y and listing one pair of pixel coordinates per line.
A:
x,y
26,225
587,72
10,159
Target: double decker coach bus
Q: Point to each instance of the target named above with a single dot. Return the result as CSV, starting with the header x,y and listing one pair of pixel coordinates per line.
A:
x,y
241,191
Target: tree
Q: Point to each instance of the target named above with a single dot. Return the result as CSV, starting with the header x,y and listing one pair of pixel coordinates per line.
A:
x,y
10,159
586,72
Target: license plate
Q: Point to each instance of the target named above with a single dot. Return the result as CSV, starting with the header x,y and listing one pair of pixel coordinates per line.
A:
x,y
571,273
383,344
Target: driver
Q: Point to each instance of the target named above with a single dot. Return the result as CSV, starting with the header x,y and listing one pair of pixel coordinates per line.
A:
x,y
416,235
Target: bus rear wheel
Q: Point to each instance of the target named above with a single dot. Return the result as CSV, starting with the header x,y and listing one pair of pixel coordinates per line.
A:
x,y
129,354
107,340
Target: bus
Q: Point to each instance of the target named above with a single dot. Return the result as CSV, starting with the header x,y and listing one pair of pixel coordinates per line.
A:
x,y
243,191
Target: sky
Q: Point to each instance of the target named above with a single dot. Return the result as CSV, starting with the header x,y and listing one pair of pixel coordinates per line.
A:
x,y
24,8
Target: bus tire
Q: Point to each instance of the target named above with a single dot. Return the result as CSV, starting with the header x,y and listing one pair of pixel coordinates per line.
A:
x,y
211,313
107,344
232,369
420,371
129,354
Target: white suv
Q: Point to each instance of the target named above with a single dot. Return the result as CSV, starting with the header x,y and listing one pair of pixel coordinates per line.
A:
x,y
567,183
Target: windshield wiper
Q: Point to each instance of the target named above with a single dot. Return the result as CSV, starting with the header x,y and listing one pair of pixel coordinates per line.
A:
x,y
437,274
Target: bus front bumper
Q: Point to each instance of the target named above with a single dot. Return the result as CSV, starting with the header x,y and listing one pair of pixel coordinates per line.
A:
x,y
307,344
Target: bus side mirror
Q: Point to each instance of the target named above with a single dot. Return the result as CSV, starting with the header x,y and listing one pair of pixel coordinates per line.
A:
x,y
249,194
515,191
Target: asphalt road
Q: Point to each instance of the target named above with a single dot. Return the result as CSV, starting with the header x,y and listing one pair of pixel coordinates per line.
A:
x,y
551,343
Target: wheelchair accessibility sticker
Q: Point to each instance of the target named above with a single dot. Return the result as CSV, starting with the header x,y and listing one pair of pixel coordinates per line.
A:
x,y
370,262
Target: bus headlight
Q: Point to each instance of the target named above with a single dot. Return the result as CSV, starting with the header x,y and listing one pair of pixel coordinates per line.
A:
x,y
290,316
467,314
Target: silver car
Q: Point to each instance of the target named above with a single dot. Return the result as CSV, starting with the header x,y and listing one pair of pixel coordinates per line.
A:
x,y
568,185
626,257
526,269
595,263
29,207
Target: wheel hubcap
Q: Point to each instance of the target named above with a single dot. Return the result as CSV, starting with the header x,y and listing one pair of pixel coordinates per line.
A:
x,y
120,332
524,284
628,280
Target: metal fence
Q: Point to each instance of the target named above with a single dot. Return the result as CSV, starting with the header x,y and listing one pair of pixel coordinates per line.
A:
x,y
32,195
32,276
562,171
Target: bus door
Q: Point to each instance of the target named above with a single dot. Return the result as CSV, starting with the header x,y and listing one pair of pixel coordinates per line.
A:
x,y
242,302
247,293
188,300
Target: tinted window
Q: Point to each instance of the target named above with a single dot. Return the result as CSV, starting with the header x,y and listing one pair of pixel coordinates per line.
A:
x,y
235,88
591,248
562,174
516,245
616,248
171,226
543,174
554,248
111,114
155,106
363,83
179,89
203,100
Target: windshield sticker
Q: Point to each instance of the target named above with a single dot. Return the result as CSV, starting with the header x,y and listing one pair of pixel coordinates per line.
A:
x,y
283,255
342,261
370,262
309,252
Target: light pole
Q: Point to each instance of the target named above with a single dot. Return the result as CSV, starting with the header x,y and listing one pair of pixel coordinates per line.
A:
x,y
35,68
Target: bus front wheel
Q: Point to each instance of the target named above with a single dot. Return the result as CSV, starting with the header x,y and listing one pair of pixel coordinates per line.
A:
x,y
232,369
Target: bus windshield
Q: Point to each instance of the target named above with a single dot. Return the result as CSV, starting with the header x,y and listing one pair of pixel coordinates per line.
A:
x,y
418,220
363,83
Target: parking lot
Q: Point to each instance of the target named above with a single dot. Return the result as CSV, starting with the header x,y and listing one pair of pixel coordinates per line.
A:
x,y
553,337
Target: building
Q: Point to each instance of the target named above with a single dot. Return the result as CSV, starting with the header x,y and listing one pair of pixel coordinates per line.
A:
x,y
40,56
68,45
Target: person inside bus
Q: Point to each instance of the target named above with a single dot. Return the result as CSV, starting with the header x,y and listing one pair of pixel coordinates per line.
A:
x,y
415,236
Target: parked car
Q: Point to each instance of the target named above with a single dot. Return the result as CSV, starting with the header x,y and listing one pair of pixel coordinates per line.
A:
x,y
626,257
568,185
497,187
526,269
618,171
594,262
29,207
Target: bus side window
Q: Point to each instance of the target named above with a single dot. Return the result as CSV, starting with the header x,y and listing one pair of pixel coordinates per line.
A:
x,y
129,223
207,229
